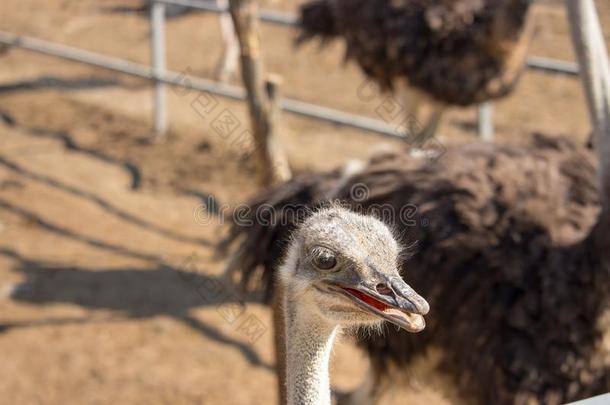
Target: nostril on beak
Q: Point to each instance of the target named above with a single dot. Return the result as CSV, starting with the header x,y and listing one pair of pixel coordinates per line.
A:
x,y
383,289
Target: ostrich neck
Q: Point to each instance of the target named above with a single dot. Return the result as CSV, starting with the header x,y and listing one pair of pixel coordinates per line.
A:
x,y
309,341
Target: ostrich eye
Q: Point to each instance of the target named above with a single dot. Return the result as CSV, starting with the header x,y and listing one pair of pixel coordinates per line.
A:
x,y
324,259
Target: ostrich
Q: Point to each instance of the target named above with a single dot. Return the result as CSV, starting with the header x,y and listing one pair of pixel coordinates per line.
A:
x,y
339,272
227,65
441,52
513,252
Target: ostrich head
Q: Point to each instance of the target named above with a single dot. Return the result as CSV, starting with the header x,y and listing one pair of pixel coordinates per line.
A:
x,y
342,266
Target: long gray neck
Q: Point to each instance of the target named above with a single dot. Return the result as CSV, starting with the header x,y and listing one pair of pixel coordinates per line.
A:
x,y
309,340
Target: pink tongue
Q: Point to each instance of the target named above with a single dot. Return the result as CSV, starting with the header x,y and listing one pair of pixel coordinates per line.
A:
x,y
368,299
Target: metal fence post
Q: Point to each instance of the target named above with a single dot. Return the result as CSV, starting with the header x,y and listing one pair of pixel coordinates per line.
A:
x,y
157,39
486,121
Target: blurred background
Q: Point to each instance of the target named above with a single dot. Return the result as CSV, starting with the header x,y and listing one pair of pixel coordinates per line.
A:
x,y
109,281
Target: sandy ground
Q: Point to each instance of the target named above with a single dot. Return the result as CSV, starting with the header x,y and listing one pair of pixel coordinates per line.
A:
x,y
109,289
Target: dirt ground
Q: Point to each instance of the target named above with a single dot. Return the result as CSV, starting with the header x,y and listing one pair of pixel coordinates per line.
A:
x,y
109,288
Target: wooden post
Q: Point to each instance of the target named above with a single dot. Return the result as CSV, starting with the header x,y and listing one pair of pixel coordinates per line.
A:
x,y
262,97
281,168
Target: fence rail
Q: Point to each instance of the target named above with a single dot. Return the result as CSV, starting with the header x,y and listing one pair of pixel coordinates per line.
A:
x,y
157,45
160,76
187,81
269,16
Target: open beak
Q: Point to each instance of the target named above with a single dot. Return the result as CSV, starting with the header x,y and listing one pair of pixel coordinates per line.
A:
x,y
397,303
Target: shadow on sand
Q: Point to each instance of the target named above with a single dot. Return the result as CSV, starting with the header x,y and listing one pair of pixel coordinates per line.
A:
x,y
108,206
157,289
52,82
135,293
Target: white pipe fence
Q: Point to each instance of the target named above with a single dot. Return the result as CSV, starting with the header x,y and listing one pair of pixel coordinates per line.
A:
x,y
157,41
161,76
183,80
269,16
486,121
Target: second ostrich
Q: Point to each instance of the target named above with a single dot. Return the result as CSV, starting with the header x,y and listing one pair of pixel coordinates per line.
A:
x,y
340,271
448,53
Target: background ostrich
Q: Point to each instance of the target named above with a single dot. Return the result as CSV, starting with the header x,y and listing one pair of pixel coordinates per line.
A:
x,y
513,252
445,52
227,65
339,273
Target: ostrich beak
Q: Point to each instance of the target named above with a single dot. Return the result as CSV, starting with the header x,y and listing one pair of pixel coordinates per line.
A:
x,y
393,300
